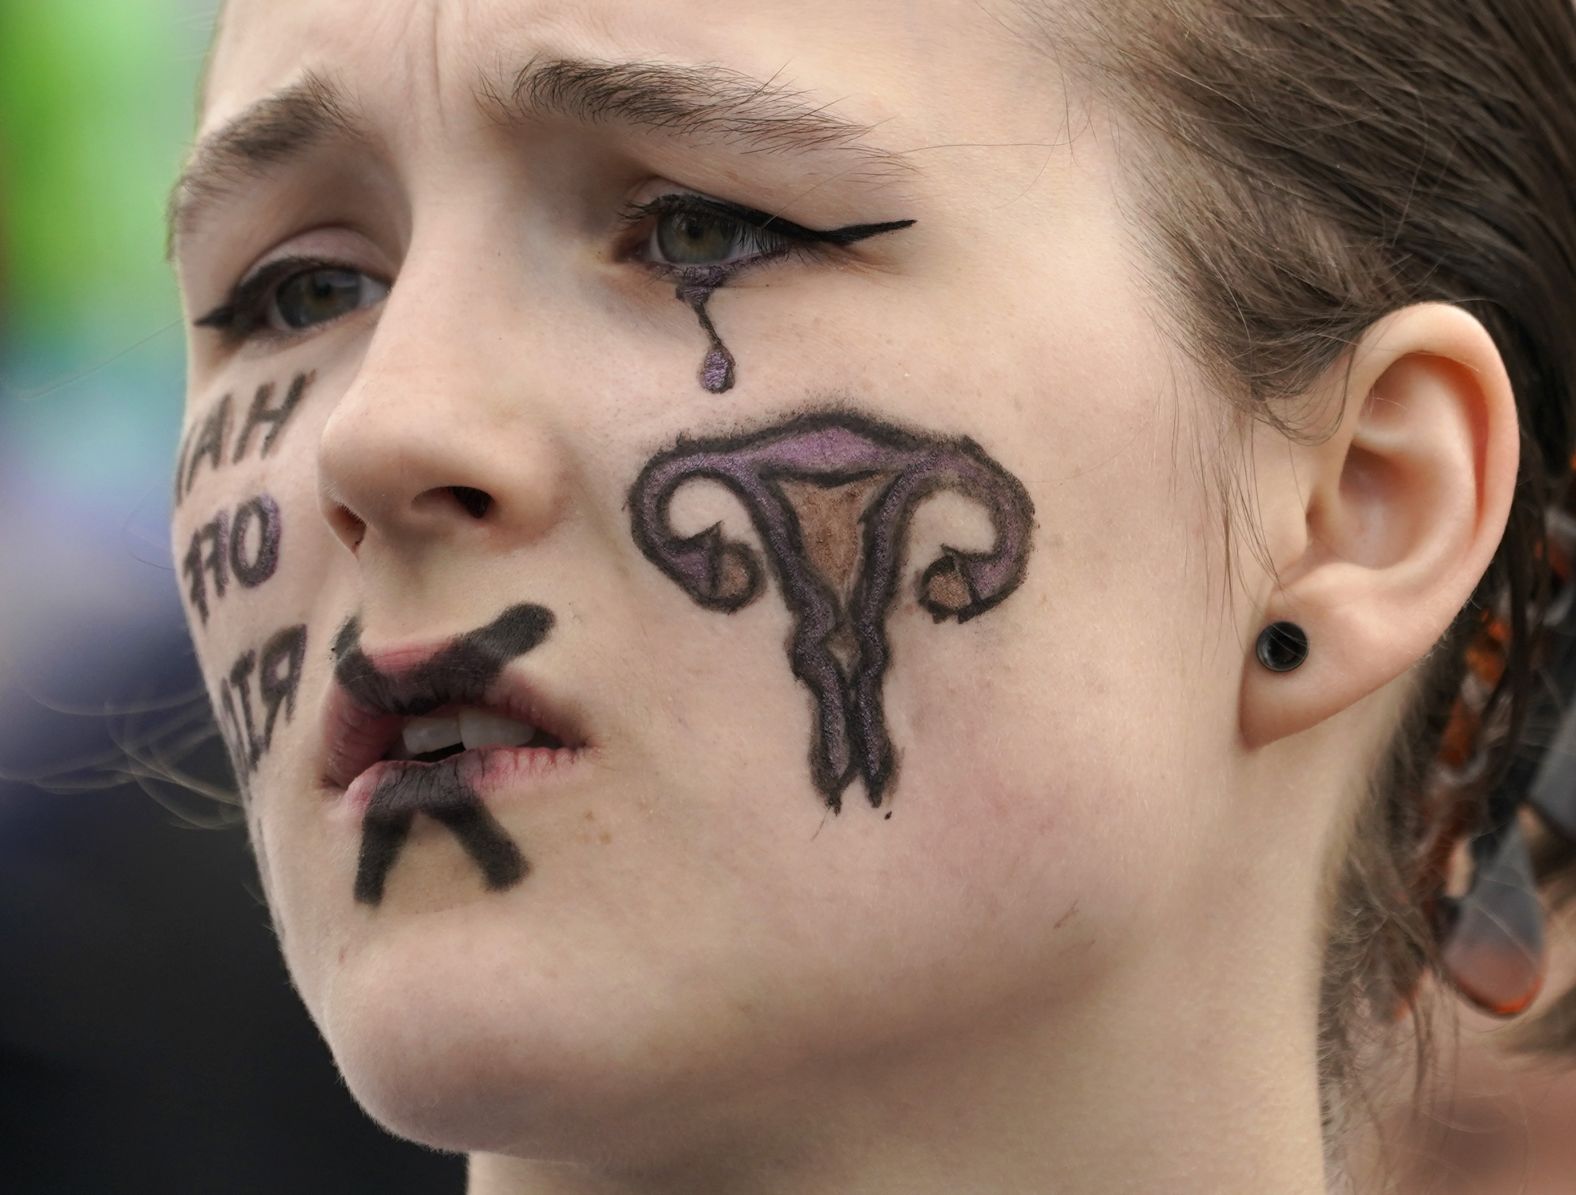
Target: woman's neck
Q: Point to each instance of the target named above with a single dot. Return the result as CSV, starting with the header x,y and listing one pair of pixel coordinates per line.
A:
x,y
1178,1082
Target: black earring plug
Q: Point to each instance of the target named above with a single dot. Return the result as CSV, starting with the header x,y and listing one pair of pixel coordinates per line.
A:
x,y
1282,646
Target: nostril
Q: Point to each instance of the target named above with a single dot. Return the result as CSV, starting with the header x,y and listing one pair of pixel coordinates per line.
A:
x,y
347,526
476,502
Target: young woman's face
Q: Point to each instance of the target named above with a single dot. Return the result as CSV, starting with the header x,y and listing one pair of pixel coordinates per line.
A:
x,y
619,436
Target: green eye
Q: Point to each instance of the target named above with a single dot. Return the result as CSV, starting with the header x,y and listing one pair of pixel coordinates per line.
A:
x,y
317,296
691,238
292,296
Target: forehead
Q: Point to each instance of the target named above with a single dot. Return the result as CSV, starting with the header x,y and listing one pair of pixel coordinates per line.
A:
x,y
881,60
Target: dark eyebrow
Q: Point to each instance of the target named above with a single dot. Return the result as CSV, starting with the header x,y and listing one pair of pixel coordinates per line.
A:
x,y
273,130
703,103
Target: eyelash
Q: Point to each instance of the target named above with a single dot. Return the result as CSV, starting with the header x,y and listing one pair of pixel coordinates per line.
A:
x,y
774,237
244,314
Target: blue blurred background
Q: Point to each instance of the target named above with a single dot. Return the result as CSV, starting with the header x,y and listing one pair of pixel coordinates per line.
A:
x,y
148,1037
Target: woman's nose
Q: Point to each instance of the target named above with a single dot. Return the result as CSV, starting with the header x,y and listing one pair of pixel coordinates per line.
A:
x,y
443,438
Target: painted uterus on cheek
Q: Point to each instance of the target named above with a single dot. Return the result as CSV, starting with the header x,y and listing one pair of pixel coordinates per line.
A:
x,y
831,497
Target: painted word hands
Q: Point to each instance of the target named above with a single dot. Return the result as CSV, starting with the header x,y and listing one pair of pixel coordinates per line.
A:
x,y
832,496
208,441
244,546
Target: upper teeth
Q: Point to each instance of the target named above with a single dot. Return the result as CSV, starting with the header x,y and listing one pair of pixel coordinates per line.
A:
x,y
470,728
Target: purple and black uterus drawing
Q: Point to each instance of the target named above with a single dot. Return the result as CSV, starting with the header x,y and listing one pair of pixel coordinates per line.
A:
x,y
831,496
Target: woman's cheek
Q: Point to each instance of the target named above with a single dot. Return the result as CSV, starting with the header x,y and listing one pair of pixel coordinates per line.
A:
x,y
250,555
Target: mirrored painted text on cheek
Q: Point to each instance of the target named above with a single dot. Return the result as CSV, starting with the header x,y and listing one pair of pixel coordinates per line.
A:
x,y
232,552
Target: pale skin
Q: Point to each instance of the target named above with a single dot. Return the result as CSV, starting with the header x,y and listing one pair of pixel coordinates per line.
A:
x,y
1083,952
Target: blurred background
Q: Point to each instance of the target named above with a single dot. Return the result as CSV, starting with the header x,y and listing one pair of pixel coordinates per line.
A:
x,y
149,1039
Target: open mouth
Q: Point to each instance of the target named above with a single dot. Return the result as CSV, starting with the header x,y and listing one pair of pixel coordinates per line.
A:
x,y
447,733
357,737
429,704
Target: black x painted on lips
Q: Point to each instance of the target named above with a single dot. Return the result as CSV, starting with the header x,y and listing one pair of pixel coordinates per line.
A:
x,y
459,674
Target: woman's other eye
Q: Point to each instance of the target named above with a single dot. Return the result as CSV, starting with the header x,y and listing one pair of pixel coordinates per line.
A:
x,y
691,231
702,238
685,232
290,297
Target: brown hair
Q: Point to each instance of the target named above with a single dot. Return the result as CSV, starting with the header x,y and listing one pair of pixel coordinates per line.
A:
x,y
1308,166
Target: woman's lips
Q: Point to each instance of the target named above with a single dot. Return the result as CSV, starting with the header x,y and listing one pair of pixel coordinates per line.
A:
x,y
489,772
376,694
358,737
354,738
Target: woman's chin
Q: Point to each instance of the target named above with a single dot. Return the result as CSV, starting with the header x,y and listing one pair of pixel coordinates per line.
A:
x,y
459,1102
449,1035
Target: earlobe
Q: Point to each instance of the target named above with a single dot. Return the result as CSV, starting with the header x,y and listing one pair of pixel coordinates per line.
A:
x,y
1398,514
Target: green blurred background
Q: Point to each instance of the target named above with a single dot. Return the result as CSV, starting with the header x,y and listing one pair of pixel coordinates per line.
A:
x,y
149,1040
95,109
96,103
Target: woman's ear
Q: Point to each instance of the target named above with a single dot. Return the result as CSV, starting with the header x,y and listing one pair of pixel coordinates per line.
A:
x,y
1382,531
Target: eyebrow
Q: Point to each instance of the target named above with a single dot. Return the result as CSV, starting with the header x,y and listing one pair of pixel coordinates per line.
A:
x,y
273,131
707,104
703,103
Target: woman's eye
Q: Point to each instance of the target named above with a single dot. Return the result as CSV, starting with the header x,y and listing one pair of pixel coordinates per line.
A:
x,y
685,238
688,231
292,296
317,296
684,231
